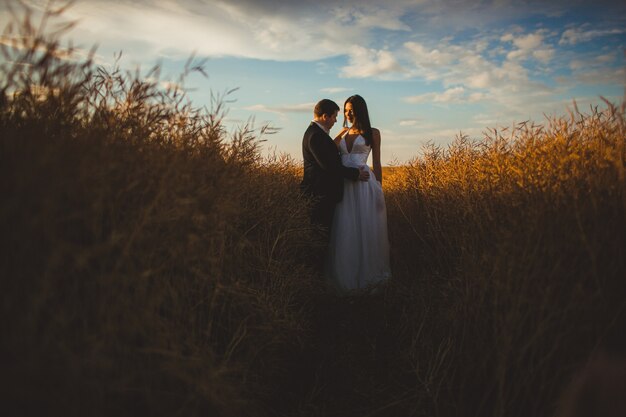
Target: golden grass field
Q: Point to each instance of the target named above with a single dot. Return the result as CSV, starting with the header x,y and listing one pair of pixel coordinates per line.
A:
x,y
154,264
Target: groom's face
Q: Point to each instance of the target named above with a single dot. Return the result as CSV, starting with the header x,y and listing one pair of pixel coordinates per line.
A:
x,y
329,121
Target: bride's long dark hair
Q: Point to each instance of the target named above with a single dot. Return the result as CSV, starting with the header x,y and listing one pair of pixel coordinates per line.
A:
x,y
361,117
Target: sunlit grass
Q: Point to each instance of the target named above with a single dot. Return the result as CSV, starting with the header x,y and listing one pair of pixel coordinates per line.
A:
x,y
517,260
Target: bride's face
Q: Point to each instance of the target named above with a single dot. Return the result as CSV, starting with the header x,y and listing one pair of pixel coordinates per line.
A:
x,y
347,111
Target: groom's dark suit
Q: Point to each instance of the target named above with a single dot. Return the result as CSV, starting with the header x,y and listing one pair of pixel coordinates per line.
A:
x,y
323,175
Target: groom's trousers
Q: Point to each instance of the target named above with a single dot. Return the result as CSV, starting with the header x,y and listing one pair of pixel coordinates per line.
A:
x,y
322,217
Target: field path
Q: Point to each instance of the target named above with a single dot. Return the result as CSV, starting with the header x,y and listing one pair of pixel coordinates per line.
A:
x,y
346,370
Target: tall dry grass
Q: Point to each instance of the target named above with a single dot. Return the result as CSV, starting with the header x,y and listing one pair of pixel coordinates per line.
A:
x,y
151,262
510,256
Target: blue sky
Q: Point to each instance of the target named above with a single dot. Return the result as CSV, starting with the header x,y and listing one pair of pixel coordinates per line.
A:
x,y
427,69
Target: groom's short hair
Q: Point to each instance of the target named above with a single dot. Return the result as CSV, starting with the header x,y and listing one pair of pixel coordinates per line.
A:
x,y
325,106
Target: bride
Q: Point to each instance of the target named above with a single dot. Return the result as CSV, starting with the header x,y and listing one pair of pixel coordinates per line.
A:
x,y
359,245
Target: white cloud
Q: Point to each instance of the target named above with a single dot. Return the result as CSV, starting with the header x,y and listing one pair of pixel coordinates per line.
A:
x,y
473,73
145,32
528,42
595,69
432,58
278,30
544,55
291,108
479,80
334,90
607,58
474,97
576,64
371,16
366,63
463,65
485,119
212,28
577,35
528,45
600,75
451,95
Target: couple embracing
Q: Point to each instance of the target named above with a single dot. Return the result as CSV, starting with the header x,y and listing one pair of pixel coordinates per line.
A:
x,y
348,202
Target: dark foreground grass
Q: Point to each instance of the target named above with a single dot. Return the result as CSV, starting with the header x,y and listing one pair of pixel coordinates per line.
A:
x,y
150,263
154,264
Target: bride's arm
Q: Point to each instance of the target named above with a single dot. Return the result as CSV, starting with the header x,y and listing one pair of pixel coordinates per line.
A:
x,y
378,170
339,135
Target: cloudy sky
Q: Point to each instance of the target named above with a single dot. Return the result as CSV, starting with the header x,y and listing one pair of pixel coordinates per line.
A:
x,y
428,69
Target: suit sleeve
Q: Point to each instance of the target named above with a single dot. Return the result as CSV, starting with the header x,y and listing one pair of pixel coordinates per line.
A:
x,y
325,153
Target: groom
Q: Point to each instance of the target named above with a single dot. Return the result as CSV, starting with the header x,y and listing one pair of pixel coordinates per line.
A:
x,y
323,171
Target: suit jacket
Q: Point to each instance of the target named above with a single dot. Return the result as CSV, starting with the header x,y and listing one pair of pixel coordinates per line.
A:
x,y
323,171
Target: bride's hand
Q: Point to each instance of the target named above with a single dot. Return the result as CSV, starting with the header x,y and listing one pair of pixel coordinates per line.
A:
x,y
340,134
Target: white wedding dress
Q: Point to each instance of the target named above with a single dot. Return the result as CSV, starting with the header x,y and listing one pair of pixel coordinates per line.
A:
x,y
359,245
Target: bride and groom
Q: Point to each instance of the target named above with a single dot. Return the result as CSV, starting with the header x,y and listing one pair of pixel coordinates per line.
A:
x,y
348,202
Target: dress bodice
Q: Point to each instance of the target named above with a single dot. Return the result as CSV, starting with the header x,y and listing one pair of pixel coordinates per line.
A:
x,y
358,155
